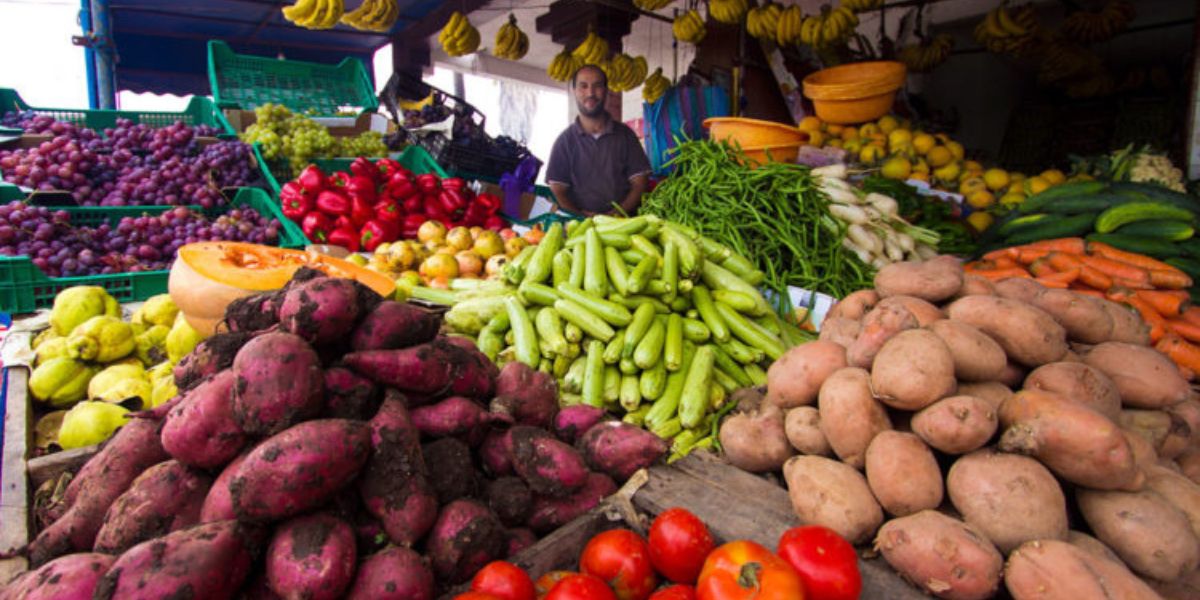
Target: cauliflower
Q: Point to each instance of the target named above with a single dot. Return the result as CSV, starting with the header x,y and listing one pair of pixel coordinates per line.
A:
x,y
1157,168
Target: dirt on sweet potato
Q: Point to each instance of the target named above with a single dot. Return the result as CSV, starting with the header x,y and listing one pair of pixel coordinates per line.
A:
x,y
451,470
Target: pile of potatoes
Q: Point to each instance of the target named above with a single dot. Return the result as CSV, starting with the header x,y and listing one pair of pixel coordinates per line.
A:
x,y
982,433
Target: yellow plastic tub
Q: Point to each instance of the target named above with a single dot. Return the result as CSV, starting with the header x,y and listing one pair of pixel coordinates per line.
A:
x,y
855,93
753,133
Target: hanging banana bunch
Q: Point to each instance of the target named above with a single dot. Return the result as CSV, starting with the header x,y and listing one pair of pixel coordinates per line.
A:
x,y
689,27
592,50
373,15
625,72
459,37
651,4
828,29
790,21
923,57
564,66
728,11
762,22
656,85
1093,27
1012,31
315,14
858,6
511,42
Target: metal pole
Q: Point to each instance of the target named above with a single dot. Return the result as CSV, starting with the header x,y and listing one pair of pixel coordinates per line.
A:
x,y
89,55
105,73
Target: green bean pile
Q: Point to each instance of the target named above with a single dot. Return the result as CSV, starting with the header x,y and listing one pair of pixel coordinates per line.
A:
x,y
774,215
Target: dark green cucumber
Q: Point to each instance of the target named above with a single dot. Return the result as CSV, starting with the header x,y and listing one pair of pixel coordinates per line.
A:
x,y
1038,202
1190,247
1072,226
1122,214
1092,202
1172,231
1158,192
1157,248
1021,223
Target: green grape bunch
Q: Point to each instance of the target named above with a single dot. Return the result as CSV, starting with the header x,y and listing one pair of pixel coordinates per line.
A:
x,y
284,135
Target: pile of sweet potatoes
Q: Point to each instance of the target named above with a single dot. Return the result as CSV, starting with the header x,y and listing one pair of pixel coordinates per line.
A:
x,y
983,433
339,448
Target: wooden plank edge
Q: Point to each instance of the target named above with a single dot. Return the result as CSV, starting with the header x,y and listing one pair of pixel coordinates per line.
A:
x,y
15,494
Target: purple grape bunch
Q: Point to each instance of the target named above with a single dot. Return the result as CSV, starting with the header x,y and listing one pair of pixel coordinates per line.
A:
x,y
130,165
142,243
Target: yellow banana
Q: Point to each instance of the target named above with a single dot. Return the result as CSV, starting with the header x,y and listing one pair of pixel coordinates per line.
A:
x,y
450,29
300,11
1007,24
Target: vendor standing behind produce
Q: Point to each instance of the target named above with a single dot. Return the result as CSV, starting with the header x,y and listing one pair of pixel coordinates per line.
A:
x,y
597,164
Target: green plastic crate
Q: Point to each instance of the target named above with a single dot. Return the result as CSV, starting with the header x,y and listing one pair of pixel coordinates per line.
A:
x,y
276,172
199,111
10,192
24,288
246,81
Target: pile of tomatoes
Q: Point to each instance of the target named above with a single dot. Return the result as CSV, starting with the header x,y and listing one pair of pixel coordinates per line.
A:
x,y
679,561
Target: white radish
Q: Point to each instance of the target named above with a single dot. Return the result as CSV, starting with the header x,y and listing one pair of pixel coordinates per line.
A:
x,y
865,238
849,214
837,171
906,242
893,250
885,204
841,196
925,252
862,253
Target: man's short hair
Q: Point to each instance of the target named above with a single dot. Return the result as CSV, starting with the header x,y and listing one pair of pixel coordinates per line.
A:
x,y
603,75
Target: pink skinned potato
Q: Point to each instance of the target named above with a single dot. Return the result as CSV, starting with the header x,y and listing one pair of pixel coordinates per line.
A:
x,y
1150,534
850,416
299,469
840,330
551,513
218,504
925,312
394,325
201,431
756,441
854,306
312,557
349,395
465,537
525,396
878,326
135,447
165,498
211,560
279,383
393,485
573,421
550,467
1144,377
1042,569
941,555
496,453
455,415
1011,499
1079,383
956,425
69,577
437,368
903,473
795,378
394,573
321,311
210,357
619,449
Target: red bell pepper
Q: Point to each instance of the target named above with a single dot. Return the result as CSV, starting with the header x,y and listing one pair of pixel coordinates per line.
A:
x,y
363,167
414,204
490,201
388,211
338,180
434,211
343,222
362,187
312,179
388,167
429,183
452,200
412,223
345,237
476,214
333,203
294,202
376,232
361,211
316,227
495,223
400,188
454,183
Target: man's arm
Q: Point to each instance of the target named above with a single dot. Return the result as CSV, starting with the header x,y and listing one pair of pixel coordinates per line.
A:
x,y
563,198
637,187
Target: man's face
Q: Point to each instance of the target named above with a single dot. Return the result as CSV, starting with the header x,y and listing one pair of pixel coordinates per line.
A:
x,y
590,92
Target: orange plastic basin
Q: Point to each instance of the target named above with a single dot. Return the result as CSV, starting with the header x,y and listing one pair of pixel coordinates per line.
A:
x,y
753,133
769,154
855,93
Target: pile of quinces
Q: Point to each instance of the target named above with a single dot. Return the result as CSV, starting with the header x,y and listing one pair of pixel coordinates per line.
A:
x,y
92,367
439,255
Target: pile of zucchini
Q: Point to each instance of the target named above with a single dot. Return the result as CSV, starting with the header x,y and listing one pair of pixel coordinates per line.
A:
x,y
1137,217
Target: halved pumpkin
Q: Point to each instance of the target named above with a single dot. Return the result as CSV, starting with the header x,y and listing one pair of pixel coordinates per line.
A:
x,y
207,276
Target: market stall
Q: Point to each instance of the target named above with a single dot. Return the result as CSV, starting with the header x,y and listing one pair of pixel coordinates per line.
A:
x,y
303,339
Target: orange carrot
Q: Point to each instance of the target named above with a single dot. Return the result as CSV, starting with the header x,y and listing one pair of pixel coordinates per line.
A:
x,y
1133,284
1115,268
1003,252
1026,257
1062,261
1185,355
1158,324
1132,258
1050,282
997,274
1087,291
1068,245
1005,262
1185,330
1173,279
1063,277
1042,267
1192,315
1167,304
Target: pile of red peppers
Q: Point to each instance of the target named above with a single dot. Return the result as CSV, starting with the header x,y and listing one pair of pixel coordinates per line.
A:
x,y
381,201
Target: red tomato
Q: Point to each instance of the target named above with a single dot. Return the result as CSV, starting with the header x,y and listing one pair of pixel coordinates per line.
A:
x,y
675,592
621,558
505,581
745,570
581,587
546,582
679,541
477,596
826,562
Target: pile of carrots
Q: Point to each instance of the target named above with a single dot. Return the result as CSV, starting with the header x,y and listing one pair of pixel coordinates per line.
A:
x,y
1157,290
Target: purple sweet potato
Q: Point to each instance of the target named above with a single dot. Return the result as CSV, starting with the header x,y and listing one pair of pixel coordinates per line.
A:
x,y
510,499
349,395
394,487
551,513
218,504
451,470
619,449
395,325
466,537
258,589
394,573
527,396
299,469
519,539
210,357
136,447
70,577
253,313
279,383
200,431
455,415
206,561
312,557
550,467
321,311
496,453
368,530
573,421
166,497
439,367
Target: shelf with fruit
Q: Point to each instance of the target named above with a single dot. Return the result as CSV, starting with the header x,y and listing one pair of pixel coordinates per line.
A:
x,y
440,255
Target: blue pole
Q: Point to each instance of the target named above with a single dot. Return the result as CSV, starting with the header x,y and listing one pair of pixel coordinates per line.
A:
x,y
106,88
89,55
